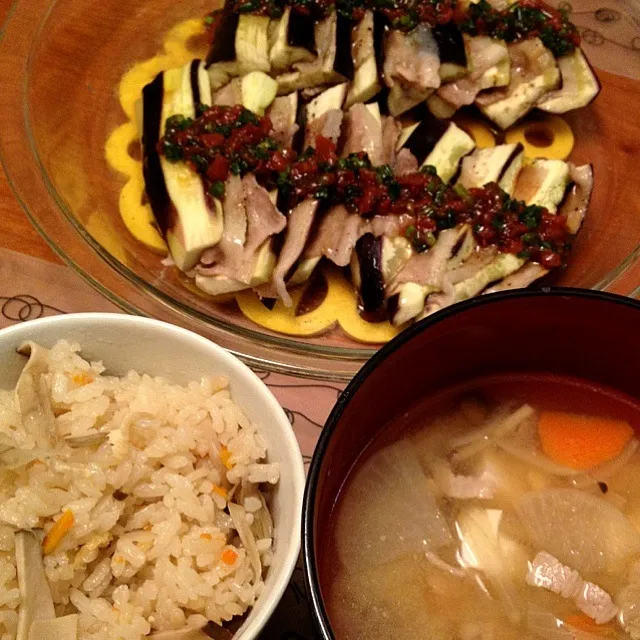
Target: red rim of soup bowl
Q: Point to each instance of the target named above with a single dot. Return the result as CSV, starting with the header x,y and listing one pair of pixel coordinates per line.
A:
x,y
588,334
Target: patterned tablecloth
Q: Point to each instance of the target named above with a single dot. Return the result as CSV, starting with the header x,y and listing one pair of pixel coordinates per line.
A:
x,y
31,288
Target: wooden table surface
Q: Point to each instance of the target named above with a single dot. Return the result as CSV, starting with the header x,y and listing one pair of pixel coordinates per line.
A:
x,y
16,231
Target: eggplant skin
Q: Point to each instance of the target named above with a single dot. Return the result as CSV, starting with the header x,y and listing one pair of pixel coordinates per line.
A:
x,y
372,290
426,135
450,44
152,97
380,27
223,46
344,61
301,32
195,85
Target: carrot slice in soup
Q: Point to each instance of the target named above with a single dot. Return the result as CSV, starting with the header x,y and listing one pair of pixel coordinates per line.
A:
x,y
582,442
581,622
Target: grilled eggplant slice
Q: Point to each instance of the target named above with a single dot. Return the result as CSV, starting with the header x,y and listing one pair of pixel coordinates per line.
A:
x,y
323,115
406,134
440,108
292,40
332,98
576,200
510,175
366,83
488,66
503,265
522,278
481,49
422,137
448,151
534,73
332,65
451,47
223,45
283,113
435,142
303,271
426,275
176,193
487,165
258,91
263,266
240,45
407,303
400,100
368,253
580,85
543,183
411,67
374,264
252,43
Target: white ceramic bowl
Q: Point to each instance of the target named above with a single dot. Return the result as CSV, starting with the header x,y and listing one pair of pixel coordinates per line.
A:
x,y
125,342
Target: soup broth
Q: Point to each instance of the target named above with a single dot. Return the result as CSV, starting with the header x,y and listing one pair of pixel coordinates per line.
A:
x,y
508,509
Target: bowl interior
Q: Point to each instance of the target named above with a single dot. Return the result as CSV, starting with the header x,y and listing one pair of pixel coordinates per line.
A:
x,y
124,343
559,332
53,150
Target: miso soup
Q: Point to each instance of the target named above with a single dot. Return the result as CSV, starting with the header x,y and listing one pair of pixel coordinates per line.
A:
x,y
508,509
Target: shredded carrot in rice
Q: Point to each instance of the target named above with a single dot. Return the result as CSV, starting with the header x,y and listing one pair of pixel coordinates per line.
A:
x,y
57,532
582,622
221,491
82,378
225,456
206,536
229,556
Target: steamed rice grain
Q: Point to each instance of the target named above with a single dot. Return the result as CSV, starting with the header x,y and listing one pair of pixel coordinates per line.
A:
x,y
153,544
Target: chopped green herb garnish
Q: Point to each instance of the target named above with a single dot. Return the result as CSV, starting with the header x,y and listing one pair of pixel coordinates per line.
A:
x,y
217,189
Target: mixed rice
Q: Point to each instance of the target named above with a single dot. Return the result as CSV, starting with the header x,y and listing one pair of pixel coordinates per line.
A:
x,y
146,499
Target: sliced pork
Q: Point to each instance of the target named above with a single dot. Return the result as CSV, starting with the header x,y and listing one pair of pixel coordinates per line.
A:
x,y
412,60
264,219
389,226
473,264
229,95
483,54
522,278
363,132
405,163
328,125
336,236
529,59
548,572
325,38
533,74
298,228
250,218
229,251
391,131
441,299
428,268
282,113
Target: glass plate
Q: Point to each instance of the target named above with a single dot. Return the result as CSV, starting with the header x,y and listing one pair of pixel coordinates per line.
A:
x,y
60,65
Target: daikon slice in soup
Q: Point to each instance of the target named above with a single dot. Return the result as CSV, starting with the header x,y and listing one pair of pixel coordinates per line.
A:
x,y
507,509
